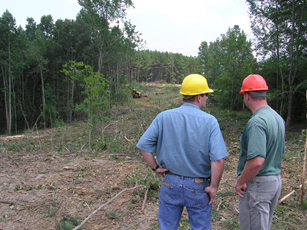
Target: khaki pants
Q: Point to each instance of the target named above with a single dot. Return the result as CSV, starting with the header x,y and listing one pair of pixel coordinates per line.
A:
x,y
257,207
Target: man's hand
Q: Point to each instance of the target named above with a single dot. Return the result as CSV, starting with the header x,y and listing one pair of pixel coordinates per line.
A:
x,y
151,161
211,192
217,168
251,169
240,188
161,171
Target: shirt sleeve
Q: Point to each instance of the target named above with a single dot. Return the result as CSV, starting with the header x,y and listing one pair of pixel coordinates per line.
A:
x,y
217,146
148,141
256,140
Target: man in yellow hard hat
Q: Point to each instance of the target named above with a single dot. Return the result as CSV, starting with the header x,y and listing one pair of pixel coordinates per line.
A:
x,y
259,167
190,157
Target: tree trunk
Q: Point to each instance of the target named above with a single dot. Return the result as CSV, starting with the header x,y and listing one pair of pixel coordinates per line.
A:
x,y
72,101
293,64
6,104
43,94
9,92
100,58
289,114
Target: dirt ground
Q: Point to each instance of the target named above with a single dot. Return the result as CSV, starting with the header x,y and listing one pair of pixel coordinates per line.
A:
x,y
32,186
39,190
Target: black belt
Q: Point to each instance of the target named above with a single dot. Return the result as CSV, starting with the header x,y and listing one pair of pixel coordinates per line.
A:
x,y
170,173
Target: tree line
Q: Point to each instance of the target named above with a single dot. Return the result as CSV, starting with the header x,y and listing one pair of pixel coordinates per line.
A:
x,y
50,70
277,52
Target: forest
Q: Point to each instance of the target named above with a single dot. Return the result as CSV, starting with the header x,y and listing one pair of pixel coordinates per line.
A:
x,y
57,71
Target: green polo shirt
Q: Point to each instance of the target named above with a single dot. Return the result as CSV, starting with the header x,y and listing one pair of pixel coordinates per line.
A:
x,y
263,136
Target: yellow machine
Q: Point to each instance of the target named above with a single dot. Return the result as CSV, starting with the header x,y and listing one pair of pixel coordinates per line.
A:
x,y
136,94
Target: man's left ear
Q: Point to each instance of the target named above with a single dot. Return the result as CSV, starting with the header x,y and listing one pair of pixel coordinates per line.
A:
x,y
198,98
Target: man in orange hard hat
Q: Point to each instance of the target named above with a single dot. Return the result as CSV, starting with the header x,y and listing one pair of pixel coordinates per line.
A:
x,y
259,167
190,156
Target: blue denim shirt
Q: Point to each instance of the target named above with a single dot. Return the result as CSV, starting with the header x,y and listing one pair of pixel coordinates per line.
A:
x,y
186,140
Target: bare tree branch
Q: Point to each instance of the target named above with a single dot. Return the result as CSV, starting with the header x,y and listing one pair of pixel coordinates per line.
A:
x,y
105,204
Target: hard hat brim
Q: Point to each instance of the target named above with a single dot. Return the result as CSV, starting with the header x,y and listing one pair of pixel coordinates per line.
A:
x,y
198,93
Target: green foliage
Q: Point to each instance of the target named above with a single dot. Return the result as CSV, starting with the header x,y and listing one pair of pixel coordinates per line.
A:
x,y
227,61
59,123
52,210
154,66
227,193
67,223
36,94
15,147
149,181
17,187
184,224
112,214
281,49
288,217
230,223
94,88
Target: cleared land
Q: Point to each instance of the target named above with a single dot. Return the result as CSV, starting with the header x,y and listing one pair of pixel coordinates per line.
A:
x,y
50,180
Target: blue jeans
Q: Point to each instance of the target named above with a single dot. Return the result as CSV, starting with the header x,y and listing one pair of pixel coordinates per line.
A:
x,y
179,192
257,206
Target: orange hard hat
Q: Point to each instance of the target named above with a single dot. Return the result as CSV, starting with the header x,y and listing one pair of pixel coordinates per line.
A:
x,y
254,82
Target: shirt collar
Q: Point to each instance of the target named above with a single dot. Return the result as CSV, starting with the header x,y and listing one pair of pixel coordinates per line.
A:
x,y
190,105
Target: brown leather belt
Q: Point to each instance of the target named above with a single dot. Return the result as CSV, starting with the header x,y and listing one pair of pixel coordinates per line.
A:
x,y
170,173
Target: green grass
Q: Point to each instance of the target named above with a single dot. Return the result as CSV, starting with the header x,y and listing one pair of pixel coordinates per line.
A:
x,y
112,214
67,223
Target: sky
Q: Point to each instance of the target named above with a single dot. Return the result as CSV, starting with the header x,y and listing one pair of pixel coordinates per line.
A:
x,y
176,26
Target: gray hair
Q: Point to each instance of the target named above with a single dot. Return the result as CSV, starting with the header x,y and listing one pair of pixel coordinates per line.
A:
x,y
258,93
188,97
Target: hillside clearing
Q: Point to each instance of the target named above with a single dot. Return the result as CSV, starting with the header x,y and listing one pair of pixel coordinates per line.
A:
x,y
50,180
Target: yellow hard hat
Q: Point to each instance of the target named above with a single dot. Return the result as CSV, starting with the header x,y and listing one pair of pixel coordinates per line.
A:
x,y
194,84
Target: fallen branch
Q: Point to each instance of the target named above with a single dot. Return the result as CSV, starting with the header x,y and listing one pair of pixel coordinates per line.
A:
x,y
66,149
35,124
144,201
285,197
218,207
288,195
129,140
105,204
6,202
102,131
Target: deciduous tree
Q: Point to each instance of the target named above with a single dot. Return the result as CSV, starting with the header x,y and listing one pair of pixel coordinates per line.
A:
x,y
280,30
